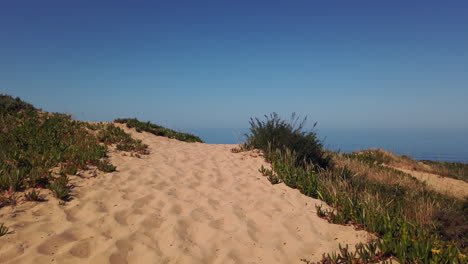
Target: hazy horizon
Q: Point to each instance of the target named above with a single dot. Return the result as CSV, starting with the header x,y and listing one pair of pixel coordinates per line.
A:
x,y
420,144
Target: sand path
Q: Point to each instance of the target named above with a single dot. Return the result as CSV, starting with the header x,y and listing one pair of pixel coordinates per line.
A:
x,y
452,187
183,203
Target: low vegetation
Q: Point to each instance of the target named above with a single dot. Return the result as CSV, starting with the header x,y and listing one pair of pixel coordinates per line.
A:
x,y
455,170
32,195
40,149
110,134
4,230
157,130
413,224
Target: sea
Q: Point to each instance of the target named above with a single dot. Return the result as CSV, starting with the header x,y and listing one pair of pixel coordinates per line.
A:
x,y
420,144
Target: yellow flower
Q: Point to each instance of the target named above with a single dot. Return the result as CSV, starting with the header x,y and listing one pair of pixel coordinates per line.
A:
x,y
435,251
462,256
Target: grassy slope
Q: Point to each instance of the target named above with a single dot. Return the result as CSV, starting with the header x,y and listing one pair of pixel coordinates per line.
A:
x,y
455,170
415,225
157,130
34,142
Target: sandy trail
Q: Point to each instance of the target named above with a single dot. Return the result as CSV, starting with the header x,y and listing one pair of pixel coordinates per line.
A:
x,y
445,185
183,203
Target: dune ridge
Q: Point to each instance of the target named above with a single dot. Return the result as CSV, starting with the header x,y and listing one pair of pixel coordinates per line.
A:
x,y
445,185
183,203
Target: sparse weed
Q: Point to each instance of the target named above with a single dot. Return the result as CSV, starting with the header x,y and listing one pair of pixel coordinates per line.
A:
x,y
69,168
320,212
32,195
8,198
274,179
4,230
265,172
240,148
60,188
236,150
105,166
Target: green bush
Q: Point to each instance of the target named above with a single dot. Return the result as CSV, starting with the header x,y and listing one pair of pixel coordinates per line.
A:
x,y
274,134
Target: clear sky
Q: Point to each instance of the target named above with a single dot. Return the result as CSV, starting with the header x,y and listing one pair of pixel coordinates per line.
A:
x,y
195,64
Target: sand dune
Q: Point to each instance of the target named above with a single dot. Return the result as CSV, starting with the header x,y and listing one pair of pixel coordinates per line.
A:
x,y
452,187
183,203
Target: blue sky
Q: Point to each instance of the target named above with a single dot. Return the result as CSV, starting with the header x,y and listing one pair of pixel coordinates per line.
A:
x,y
199,64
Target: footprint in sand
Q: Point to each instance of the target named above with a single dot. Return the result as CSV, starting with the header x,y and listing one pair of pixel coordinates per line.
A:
x,y
121,217
176,209
51,245
152,222
172,192
181,231
161,186
194,184
160,204
199,215
252,230
81,249
217,224
11,253
118,258
143,201
214,204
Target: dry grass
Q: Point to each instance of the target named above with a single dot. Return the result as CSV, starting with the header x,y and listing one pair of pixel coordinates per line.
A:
x,y
454,170
421,203
375,172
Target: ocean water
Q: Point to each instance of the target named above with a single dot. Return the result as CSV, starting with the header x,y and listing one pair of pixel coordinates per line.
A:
x,y
420,144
